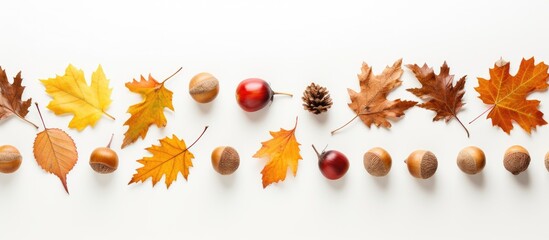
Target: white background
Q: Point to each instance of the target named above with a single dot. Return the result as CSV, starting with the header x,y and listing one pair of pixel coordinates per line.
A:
x,y
290,44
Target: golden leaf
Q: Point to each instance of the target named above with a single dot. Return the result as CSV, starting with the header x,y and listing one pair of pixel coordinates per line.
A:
x,y
283,153
71,94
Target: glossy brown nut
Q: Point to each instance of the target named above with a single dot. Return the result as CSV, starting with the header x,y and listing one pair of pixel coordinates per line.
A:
x,y
516,159
104,160
225,160
377,162
422,164
471,160
204,87
10,159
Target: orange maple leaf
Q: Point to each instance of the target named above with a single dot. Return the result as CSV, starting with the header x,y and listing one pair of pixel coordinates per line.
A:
x,y
169,159
507,95
149,111
439,92
371,104
283,153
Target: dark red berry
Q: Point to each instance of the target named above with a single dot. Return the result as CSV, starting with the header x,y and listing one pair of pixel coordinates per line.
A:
x,y
253,94
333,164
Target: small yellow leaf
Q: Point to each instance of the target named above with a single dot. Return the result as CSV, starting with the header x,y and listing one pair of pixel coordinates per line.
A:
x,y
71,94
283,153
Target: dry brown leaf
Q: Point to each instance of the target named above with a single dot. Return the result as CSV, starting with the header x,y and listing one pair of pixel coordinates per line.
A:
x,y
439,93
371,104
10,98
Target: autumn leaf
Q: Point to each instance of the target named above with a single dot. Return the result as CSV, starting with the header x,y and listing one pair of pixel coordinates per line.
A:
x,y
10,98
169,159
439,93
371,104
283,153
149,111
71,94
55,151
507,95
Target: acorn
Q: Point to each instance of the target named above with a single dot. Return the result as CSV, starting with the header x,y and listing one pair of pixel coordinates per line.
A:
x,y
204,87
225,160
471,160
516,159
10,159
547,161
422,164
377,162
104,159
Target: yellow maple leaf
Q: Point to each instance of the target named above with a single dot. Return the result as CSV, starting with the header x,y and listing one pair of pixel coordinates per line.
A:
x,y
283,153
149,111
169,159
71,94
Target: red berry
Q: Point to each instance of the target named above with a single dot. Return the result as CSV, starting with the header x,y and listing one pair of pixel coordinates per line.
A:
x,y
333,164
253,94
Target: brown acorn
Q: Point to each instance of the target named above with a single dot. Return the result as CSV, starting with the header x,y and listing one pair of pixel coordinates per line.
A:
x,y
225,160
104,159
377,162
422,164
471,160
516,159
10,159
204,87
547,161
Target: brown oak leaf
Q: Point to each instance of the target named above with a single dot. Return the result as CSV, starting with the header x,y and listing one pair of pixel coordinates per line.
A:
x,y
371,104
438,92
10,98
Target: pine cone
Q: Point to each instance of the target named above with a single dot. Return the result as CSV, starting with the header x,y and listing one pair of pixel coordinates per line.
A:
x,y
316,99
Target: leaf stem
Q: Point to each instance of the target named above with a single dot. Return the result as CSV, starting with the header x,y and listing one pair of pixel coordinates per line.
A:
x,y
40,114
205,128
110,141
108,115
283,93
467,131
172,75
344,125
19,116
316,151
487,110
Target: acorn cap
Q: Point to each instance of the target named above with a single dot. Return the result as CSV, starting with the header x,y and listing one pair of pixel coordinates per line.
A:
x,y
516,159
377,162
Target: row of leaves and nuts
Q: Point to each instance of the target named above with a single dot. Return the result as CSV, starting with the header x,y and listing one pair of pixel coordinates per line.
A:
x,y
55,151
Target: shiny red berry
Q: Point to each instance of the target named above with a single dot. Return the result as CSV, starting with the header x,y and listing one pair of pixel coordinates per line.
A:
x,y
333,164
254,94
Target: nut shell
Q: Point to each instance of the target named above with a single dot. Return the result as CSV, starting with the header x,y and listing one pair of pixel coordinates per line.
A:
x,y
547,161
377,162
225,160
516,159
10,159
471,160
422,164
104,160
204,87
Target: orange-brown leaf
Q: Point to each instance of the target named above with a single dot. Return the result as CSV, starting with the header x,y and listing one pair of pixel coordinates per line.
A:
x,y
507,94
283,153
149,111
10,97
55,151
371,103
438,92
169,159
